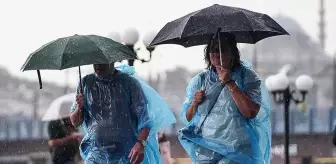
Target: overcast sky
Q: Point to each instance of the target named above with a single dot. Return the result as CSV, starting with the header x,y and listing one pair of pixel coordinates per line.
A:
x,y
27,25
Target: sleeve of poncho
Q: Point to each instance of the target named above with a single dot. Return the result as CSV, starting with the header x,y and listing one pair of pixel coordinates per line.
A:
x,y
255,90
139,105
157,114
157,109
252,86
193,86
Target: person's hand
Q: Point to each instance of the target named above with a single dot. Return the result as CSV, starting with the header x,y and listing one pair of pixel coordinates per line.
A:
x,y
137,154
224,74
77,136
80,101
198,97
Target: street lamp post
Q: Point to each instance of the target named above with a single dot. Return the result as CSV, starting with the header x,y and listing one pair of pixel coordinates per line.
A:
x,y
148,38
279,86
130,37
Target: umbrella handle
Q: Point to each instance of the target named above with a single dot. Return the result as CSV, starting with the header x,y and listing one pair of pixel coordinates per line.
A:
x,y
81,89
80,80
216,35
39,78
219,46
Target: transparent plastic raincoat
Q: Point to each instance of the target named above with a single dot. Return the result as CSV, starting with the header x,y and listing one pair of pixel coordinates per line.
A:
x,y
218,133
116,109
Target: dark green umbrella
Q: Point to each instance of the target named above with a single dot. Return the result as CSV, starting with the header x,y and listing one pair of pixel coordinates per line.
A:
x,y
76,50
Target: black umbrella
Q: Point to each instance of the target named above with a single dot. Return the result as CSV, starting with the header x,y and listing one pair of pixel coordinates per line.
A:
x,y
198,27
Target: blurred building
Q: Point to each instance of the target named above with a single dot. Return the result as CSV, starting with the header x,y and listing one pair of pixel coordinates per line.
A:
x,y
302,53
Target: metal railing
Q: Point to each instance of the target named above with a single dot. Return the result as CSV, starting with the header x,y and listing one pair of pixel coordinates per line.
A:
x,y
312,121
308,122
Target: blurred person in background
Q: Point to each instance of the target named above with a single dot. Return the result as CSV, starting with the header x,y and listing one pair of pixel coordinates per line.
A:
x,y
164,148
226,110
64,141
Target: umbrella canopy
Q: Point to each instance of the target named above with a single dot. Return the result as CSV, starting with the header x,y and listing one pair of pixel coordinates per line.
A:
x,y
77,50
198,27
59,108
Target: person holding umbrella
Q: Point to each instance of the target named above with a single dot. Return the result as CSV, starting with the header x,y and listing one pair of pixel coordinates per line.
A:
x,y
113,106
227,107
120,114
117,103
225,134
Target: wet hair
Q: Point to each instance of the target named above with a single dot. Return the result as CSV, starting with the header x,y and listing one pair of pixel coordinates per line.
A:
x,y
226,40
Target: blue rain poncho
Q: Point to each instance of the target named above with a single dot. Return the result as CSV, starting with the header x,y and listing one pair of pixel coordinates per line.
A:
x,y
116,109
218,133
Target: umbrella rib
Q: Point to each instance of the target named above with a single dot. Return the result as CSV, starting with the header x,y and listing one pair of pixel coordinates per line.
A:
x,y
26,62
191,16
62,56
31,55
246,17
98,47
250,22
